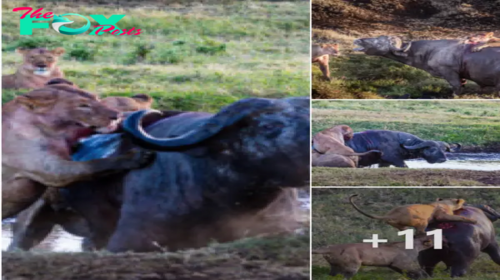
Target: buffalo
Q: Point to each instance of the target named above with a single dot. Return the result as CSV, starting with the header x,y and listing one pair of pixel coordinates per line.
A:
x,y
212,173
464,242
396,147
452,60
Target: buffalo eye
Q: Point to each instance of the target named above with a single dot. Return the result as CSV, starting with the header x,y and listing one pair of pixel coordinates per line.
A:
x,y
84,106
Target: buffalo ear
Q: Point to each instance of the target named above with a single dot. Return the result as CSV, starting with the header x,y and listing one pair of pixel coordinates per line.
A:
x,y
58,51
35,102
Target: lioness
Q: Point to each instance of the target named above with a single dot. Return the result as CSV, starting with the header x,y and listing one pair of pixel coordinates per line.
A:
x,y
329,148
420,215
483,40
39,66
39,131
127,104
321,54
346,259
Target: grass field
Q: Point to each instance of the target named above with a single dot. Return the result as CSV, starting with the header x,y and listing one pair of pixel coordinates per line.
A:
x,y
327,176
474,124
334,221
356,75
257,258
188,57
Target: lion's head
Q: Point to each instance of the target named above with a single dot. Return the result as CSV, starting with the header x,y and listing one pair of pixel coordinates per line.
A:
x,y
453,203
61,106
40,61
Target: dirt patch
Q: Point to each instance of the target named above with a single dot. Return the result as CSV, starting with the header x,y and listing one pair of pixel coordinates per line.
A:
x,y
491,147
324,176
423,18
260,258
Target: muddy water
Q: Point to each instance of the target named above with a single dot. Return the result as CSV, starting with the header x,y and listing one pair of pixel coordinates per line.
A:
x,y
467,161
61,241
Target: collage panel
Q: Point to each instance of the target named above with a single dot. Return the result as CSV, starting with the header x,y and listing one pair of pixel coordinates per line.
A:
x,y
405,49
405,143
401,233
155,139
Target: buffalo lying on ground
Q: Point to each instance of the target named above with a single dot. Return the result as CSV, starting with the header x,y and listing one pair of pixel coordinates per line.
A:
x,y
396,147
213,171
451,60
464,242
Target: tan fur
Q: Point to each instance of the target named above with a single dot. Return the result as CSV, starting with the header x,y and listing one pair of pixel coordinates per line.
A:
x,y
483,40
27,75
127,104
321,55
330,149
346,259
420,215
39,131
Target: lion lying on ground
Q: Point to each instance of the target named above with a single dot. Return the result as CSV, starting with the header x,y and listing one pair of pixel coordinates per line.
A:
x,y
127,104
346,259
329,148
420,215
39,131
39,66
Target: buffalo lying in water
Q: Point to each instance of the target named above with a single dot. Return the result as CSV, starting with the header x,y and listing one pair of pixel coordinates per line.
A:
x,y
464,242
211,173
396,147
452,60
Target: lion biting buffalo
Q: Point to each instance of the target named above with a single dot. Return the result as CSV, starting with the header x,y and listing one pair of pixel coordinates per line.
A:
x,y
464,242
211,176
452,60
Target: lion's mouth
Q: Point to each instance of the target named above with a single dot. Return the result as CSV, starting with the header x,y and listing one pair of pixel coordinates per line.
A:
x,y
111,127
359,45
41,71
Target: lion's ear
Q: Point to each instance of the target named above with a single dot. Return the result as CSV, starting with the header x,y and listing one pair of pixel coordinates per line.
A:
x,y
439,199
58,51
35,102
490,34
335,47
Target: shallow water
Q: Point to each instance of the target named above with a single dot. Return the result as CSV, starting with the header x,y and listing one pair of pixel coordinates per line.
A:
x,y
465,161
61,241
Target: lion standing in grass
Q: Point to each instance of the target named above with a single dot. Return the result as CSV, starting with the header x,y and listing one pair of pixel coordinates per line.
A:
x,y
39,66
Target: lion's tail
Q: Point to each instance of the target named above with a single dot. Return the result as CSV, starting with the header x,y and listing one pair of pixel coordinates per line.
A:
x,y
361,211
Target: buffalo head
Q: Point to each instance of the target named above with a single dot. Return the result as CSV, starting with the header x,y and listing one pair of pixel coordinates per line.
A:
x,y
270,136
382,45
431,151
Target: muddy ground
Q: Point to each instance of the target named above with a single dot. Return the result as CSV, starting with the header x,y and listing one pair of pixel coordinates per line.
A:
x,y
325,176
258,258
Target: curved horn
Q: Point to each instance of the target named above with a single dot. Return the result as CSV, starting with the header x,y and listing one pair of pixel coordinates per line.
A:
x,y
420,145
397,46
456,149
213,125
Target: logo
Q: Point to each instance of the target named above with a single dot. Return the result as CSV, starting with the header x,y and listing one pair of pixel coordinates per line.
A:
x,y
60,23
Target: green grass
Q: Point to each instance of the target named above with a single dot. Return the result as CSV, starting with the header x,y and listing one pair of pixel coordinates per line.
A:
x,y
327,176
195,57
334,221
471,123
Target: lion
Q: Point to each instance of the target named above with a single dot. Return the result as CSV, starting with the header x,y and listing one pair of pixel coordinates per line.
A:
x,y
483,40
346,259
329,148
128,104
39,66
321,54
40,129
420,215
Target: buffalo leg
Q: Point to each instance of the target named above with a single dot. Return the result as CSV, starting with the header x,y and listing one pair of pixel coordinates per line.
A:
x,y
428,260
493,250
454,80
463,255
18,194
32,226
